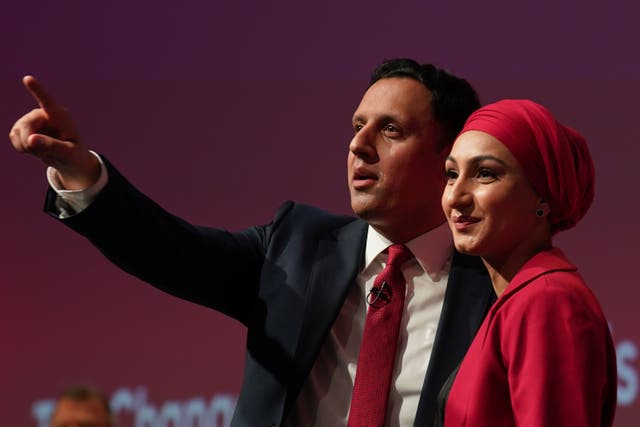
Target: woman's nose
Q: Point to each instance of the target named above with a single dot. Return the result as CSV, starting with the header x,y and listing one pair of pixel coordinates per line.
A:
x,y
457,195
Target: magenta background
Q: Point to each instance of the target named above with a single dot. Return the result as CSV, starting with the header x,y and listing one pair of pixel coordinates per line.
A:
x,y
222,111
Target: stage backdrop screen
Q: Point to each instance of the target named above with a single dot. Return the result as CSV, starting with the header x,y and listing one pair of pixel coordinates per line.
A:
x,y
222,111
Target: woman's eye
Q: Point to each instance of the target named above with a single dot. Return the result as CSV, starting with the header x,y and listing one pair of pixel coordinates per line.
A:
x,y
486,175
357,127
451,175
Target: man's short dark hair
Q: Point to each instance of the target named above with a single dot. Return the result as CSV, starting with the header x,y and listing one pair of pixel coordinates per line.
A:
x,y
452,98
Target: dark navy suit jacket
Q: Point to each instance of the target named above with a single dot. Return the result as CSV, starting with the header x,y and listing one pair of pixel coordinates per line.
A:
x,y
285,281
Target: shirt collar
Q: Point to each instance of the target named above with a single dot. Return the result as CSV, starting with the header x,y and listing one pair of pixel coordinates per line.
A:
x,y
432,249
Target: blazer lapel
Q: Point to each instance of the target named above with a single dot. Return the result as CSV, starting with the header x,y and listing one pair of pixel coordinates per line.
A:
x,y
467,300
337,262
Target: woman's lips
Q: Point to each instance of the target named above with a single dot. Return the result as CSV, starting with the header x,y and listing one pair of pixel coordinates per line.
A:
x,y
463,222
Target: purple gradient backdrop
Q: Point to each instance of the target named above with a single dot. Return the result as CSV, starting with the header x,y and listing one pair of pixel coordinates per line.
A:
x,y
249,104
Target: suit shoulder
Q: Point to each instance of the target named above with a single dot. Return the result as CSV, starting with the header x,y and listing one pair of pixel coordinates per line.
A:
x,y
304,216
558,285
558,294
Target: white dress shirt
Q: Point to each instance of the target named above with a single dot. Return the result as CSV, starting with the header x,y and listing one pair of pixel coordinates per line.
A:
x,y
326,396
71,202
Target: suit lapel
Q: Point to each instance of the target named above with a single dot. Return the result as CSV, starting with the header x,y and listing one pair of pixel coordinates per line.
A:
x,y
468,297
337,262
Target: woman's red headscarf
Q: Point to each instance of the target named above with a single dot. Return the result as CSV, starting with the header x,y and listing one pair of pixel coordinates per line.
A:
x,y
554,157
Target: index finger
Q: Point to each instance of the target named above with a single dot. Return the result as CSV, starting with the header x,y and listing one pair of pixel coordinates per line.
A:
x,y
38,92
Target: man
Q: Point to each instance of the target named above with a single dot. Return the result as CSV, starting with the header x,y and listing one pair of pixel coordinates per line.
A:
x,y
81,406
303,283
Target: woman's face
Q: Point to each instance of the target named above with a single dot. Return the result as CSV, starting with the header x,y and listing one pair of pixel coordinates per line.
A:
x,y
488,201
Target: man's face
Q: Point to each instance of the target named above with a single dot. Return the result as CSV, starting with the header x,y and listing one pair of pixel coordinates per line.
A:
x,y
395,167
80,413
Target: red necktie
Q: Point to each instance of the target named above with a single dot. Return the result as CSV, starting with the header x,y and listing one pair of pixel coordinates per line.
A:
x,y
379,343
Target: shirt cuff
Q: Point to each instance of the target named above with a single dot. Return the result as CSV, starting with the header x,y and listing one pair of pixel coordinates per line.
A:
x,y
72,202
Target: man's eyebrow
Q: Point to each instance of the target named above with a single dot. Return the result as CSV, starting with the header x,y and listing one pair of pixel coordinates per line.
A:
x,y
384,118
357,118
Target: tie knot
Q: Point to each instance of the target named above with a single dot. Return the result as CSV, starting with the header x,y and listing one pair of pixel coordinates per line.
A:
x,y
398,255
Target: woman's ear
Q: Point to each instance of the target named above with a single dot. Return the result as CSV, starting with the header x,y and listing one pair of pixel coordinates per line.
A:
x,y
543,209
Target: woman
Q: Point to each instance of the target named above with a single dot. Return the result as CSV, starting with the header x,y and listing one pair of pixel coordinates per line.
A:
x,y
544,355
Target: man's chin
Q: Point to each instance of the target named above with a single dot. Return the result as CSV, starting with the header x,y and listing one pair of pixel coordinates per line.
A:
x,y
362,214
364,209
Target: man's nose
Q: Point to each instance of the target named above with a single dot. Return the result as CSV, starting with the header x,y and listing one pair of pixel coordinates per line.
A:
x,y
363,145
